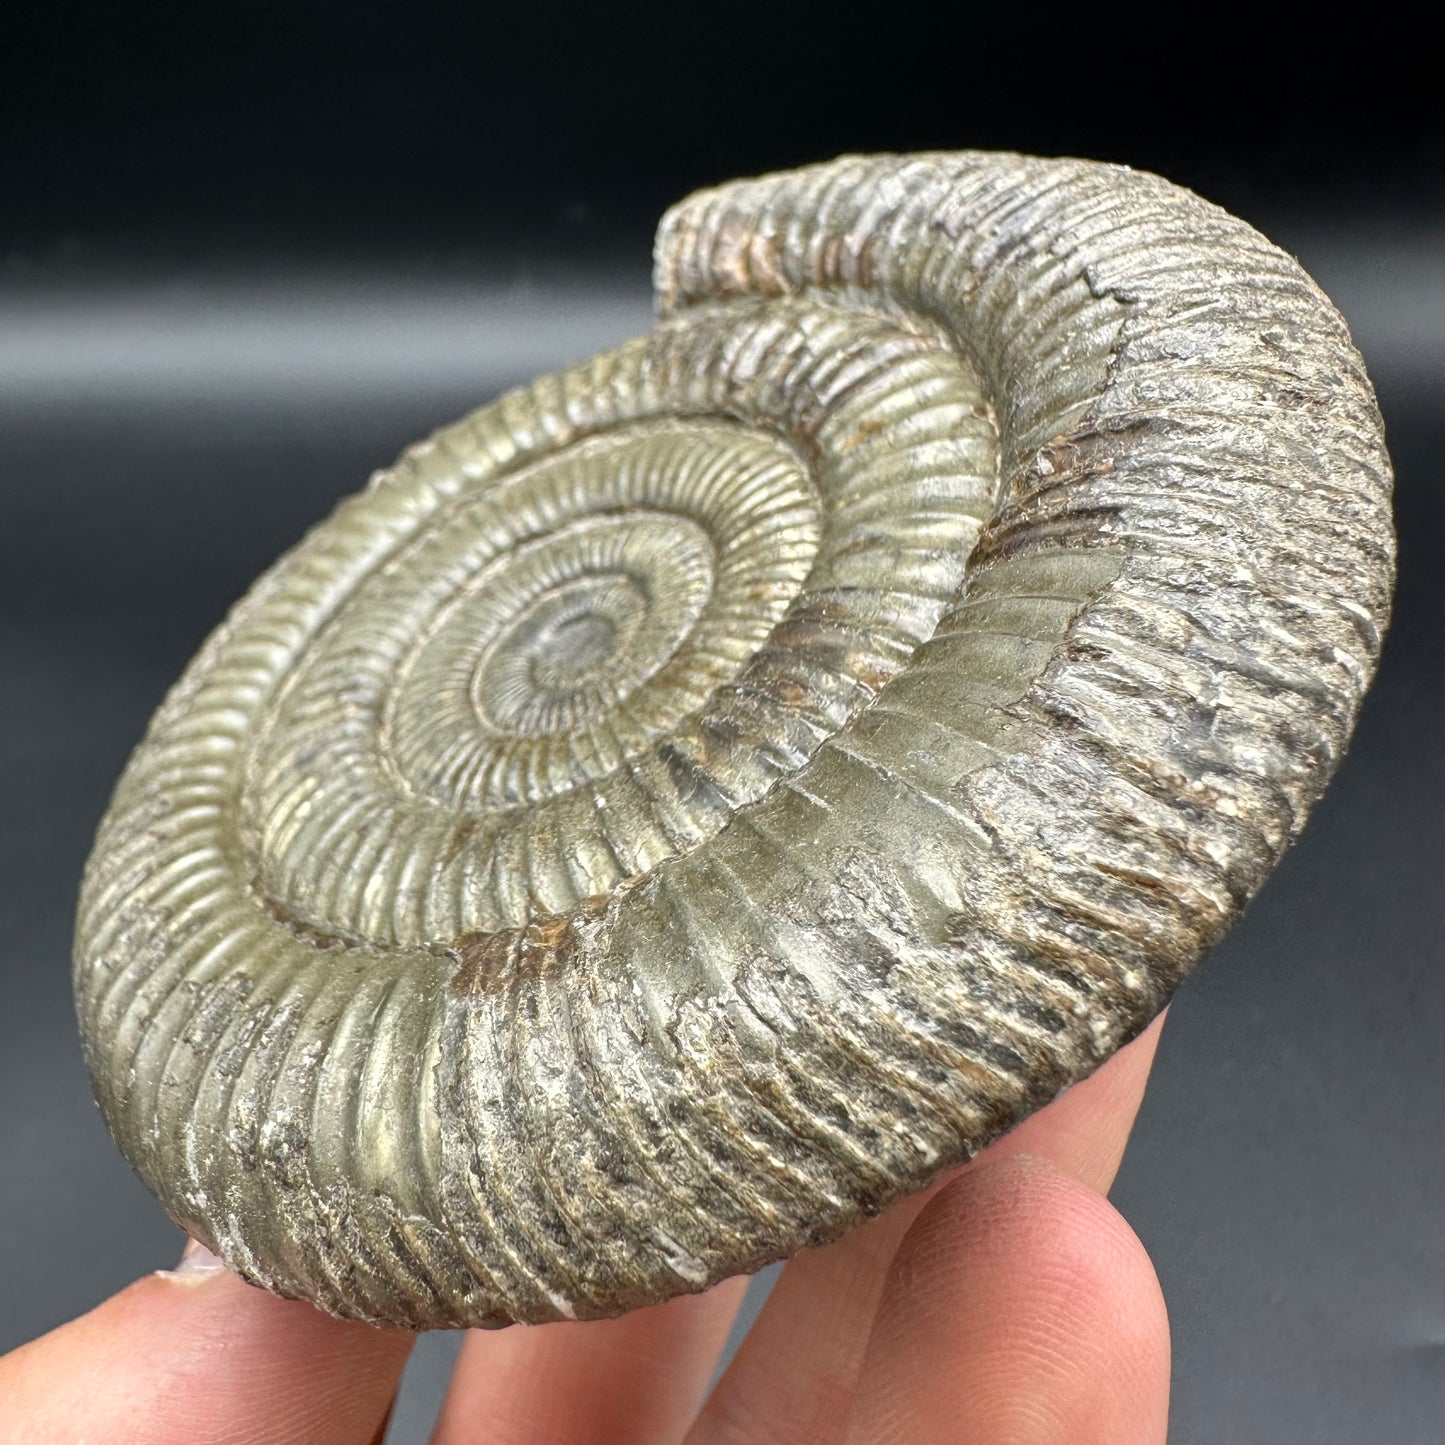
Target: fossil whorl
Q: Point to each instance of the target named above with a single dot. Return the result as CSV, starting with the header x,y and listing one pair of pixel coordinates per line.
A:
x,y
690,803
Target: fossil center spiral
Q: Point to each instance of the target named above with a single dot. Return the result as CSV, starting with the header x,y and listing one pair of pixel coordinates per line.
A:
x,y
579,658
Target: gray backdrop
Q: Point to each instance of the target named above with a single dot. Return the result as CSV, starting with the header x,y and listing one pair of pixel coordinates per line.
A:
x,y
162,440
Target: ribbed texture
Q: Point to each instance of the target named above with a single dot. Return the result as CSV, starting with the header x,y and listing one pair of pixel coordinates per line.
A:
x,y
690,803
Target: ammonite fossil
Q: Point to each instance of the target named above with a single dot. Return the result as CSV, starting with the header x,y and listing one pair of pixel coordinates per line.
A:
x,y
693,801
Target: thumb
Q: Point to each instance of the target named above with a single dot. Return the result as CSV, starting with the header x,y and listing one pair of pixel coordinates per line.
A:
x,y
194,1354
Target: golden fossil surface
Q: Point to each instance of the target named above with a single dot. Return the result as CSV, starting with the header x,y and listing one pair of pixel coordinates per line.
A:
x,y
693,801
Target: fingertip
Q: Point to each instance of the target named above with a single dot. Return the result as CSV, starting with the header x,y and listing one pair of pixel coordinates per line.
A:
x,y
1022,1301
1085,1131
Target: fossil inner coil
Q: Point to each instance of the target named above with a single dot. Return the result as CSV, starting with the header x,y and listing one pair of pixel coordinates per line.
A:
x,y
618,607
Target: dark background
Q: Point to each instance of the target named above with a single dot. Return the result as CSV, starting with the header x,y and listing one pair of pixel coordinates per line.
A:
x,y
248,252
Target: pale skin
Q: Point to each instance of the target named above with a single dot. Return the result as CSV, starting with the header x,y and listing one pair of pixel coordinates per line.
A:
x,y
1009,1305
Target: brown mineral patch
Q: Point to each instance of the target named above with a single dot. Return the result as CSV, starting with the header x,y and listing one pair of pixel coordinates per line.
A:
x,y
487,961
868,429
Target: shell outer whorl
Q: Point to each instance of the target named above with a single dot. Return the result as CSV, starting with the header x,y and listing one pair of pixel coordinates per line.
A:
x,y
689,803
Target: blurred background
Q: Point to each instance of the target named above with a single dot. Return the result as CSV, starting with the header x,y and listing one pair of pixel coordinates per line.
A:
x,y
249,252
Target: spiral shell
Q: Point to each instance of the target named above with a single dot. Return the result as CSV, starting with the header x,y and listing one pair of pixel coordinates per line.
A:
x,y
691,802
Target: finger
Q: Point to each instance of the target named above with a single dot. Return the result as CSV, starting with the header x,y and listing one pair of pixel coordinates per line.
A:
x,y
793,1377
1085,1130
629,1381
1020,1310
196,1355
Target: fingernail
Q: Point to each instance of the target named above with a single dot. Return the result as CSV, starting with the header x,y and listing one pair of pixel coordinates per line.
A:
x,y
197,1263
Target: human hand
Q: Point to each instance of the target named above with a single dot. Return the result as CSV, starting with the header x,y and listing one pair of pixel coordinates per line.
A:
x,y
1009,1304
